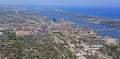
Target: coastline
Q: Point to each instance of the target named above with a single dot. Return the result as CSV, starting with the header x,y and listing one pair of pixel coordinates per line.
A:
x,y
75,19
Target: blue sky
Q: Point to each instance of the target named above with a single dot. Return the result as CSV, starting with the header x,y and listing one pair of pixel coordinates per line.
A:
x,y
62,2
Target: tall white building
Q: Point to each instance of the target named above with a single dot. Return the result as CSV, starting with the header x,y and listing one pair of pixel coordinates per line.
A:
x,y
113,41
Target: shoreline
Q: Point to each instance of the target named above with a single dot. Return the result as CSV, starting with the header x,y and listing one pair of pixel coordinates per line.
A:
x,y
92,25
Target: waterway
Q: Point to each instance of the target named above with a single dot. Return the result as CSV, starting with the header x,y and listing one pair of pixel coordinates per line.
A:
x,y
113,34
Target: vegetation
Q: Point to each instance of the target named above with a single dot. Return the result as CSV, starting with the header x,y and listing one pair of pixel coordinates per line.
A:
x,y
111,50
40,46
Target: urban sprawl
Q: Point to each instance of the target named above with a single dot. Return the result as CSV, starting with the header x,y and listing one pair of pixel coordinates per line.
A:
x,y
25,35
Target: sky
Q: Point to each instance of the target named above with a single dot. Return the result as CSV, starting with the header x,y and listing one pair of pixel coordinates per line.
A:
x,y
62,2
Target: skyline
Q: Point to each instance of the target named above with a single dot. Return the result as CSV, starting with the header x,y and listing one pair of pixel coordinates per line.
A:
x,y
109,3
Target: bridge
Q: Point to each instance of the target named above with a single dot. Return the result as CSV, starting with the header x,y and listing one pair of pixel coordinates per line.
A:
x,y
107,30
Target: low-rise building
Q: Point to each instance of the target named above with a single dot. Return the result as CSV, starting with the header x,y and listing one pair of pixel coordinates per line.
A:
x,y
1,33
23,32
113,41
96,47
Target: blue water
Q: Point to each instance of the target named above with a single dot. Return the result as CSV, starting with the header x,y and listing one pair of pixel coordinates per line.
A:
x,y
101,12
107,12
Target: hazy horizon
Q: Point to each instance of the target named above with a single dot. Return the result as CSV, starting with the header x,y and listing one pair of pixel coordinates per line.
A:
x,y
108,3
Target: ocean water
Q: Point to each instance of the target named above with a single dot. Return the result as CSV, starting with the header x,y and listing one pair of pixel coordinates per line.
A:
x,y
106,12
